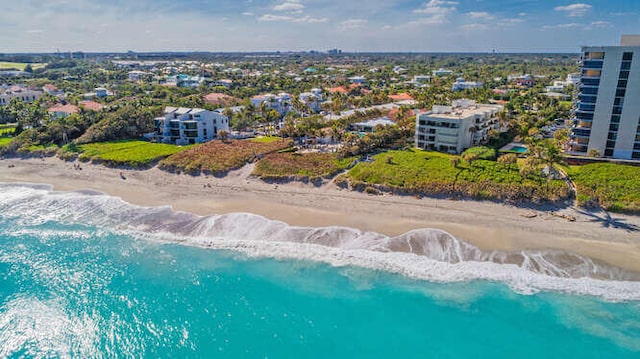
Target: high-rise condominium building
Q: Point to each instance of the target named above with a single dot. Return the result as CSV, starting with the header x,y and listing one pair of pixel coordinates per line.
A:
x,y
607,111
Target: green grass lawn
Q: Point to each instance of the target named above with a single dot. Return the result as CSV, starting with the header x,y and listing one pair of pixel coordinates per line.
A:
x,y
4,141
300,165
432,173
7,130
266,139
615,187
220,157
19,65
128,153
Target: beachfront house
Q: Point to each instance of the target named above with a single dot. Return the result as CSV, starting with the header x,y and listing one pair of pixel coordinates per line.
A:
x,y
184,126
452,129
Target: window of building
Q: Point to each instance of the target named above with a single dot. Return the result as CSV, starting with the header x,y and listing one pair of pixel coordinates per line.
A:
x,y
595,55
627,56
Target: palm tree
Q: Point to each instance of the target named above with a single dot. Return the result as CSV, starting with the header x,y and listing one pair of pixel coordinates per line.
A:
x,y
472,131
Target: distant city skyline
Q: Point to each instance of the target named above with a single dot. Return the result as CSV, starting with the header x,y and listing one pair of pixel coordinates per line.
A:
x,y
302,25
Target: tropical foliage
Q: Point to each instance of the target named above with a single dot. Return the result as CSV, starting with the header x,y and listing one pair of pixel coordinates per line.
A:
x,y
432,173
124,153
300,166
614,187
219,157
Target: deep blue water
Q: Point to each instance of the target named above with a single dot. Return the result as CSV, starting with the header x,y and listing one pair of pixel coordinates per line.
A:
x,y
77,290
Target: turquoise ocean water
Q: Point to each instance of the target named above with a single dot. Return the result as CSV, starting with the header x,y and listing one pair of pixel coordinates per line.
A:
x,y
75,283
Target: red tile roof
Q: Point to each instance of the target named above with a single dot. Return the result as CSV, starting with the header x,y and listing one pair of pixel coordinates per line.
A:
x,y
216,98
68,109
91,105
401,97
50,87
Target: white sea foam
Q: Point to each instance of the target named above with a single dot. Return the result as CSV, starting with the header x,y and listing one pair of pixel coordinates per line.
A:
x,y
428,254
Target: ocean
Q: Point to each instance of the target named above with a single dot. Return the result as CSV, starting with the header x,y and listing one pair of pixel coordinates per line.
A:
x,y
83,274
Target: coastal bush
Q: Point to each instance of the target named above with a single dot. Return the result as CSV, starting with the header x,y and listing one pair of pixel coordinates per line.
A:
x,y
614,187
124,153
219,157
431,173
300,165
482,153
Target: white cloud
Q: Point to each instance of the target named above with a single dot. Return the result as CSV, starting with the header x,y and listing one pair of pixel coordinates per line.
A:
x,y
34,31
290,6
247,13
575,10
351,24
437,11
601,24
509,22
437,7
284,18
270,17
310,20
471,27
436,19
480,15
572,25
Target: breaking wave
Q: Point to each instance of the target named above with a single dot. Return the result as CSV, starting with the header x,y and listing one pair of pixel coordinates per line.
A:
x,y
427,254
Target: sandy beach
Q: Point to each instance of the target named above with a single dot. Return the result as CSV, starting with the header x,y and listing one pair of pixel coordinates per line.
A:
x,y
612,238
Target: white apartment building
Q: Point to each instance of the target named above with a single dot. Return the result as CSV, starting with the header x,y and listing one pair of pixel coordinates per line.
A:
x,y
452,129
185,126
313,99
22,93
607,110
461,85
281,102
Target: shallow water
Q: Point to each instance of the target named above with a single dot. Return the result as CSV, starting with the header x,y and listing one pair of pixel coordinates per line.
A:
x,y
88,275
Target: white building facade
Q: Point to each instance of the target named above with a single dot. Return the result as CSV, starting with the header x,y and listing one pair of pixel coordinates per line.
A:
x,y
185,126
19,92
607,107
452,129
313,99
282,102
461,85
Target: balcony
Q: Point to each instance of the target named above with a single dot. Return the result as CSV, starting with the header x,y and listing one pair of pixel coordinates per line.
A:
x,y
590,81
592,64
581,132
447,132
586,107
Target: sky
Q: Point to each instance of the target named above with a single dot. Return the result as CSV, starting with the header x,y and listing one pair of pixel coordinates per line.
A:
x,y
302,25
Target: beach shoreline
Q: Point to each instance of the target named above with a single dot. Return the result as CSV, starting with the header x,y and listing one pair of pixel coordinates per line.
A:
x,y
488,225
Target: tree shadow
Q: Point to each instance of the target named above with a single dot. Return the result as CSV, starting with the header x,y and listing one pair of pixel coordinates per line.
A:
x,y
607,221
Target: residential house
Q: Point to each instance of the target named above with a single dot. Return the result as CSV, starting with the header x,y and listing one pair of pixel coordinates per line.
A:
x,y
442,72
461,85
313,99
91,105
7,93
61,111
52,90
281,102
370,125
